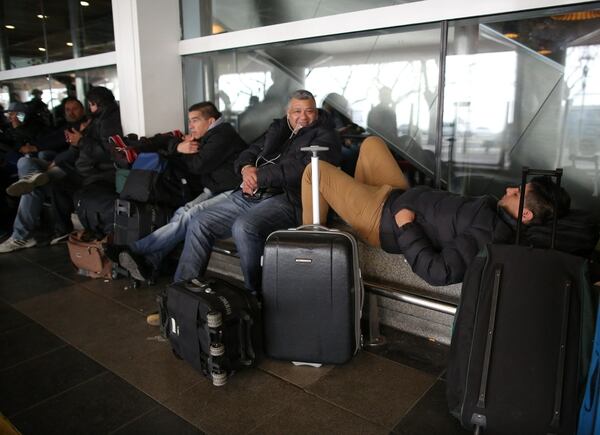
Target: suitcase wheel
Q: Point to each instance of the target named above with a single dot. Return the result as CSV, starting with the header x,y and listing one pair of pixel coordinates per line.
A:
x,y
219,378
217,349
214,319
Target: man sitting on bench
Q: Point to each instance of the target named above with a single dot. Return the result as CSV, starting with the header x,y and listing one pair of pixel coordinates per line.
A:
x,y
207,153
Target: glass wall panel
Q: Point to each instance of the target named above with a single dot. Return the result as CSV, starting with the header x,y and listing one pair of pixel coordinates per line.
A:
x,y
386,84
515,99
56,87
34,32
207,17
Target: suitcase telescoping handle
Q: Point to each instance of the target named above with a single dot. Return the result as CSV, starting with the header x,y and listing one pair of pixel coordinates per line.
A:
x,y
527,172
314,164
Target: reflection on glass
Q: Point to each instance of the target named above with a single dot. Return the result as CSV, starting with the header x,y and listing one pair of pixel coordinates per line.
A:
x,y
59,86
509,105
205,17
37,31
388,83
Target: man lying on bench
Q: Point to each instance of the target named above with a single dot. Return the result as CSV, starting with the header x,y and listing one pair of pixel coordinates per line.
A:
x,y
438,232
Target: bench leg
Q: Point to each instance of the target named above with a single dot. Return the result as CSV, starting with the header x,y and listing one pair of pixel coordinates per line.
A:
x,y
373,336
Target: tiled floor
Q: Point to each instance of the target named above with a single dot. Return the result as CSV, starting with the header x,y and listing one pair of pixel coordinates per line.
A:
x,y
76,356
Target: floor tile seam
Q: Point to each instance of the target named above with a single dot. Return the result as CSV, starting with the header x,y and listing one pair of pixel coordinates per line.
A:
x,y
436,374
415,403
88,289
33,358
45,268
47,399
92,357
106,369
381,357
109,298
310,393
362,417
139,417
305,389
281,378
272,414
83,284
174,397
8,331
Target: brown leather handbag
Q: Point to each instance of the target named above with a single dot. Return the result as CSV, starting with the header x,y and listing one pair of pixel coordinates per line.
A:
x,y
89,257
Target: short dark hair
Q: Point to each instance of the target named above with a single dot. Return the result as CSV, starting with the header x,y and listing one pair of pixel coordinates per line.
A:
x,y
100,96
66,100
207,109
302,94
540,200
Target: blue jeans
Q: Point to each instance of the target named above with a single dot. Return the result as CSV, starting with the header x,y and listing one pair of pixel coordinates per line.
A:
x,y
30,205
157,245
28,165
250,222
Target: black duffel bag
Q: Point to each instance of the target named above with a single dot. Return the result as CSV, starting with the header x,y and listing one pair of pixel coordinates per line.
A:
x,y
157,180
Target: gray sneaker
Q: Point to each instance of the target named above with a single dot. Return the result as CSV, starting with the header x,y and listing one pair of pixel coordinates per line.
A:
x,y
12,244
28,183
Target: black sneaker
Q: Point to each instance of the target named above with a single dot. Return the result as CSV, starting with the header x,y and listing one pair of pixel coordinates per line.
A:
x,y
135,264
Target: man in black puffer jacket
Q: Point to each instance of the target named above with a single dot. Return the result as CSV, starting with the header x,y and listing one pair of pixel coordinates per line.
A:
x,y
269,198
438,232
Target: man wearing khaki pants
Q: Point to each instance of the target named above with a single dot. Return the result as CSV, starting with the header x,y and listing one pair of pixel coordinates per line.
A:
x,y
438,232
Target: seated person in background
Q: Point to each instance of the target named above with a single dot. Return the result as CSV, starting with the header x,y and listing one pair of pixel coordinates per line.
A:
x,y
208,154
35,172
269,198
23,129
337,107
94,163
438,232
33,185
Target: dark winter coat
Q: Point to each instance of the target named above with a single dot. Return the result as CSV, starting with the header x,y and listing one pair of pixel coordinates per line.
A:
x,y
448,232
95,160
288,161
212,166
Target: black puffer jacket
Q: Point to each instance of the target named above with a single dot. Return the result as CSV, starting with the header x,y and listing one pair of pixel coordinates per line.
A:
x,y
448,232
288,161
95,160
212,166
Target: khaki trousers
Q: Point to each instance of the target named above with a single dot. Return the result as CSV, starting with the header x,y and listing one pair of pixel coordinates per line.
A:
x,y
359,200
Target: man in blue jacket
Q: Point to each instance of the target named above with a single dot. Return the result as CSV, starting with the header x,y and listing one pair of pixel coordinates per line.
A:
x,y
269,196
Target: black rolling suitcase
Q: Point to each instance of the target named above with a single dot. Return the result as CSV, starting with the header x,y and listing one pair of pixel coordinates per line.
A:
x,y
521,340
312,291
212,325
135,220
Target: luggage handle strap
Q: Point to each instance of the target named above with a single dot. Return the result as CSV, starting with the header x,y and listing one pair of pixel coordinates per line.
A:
x,y
490,338
562,354
527,171
314,164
